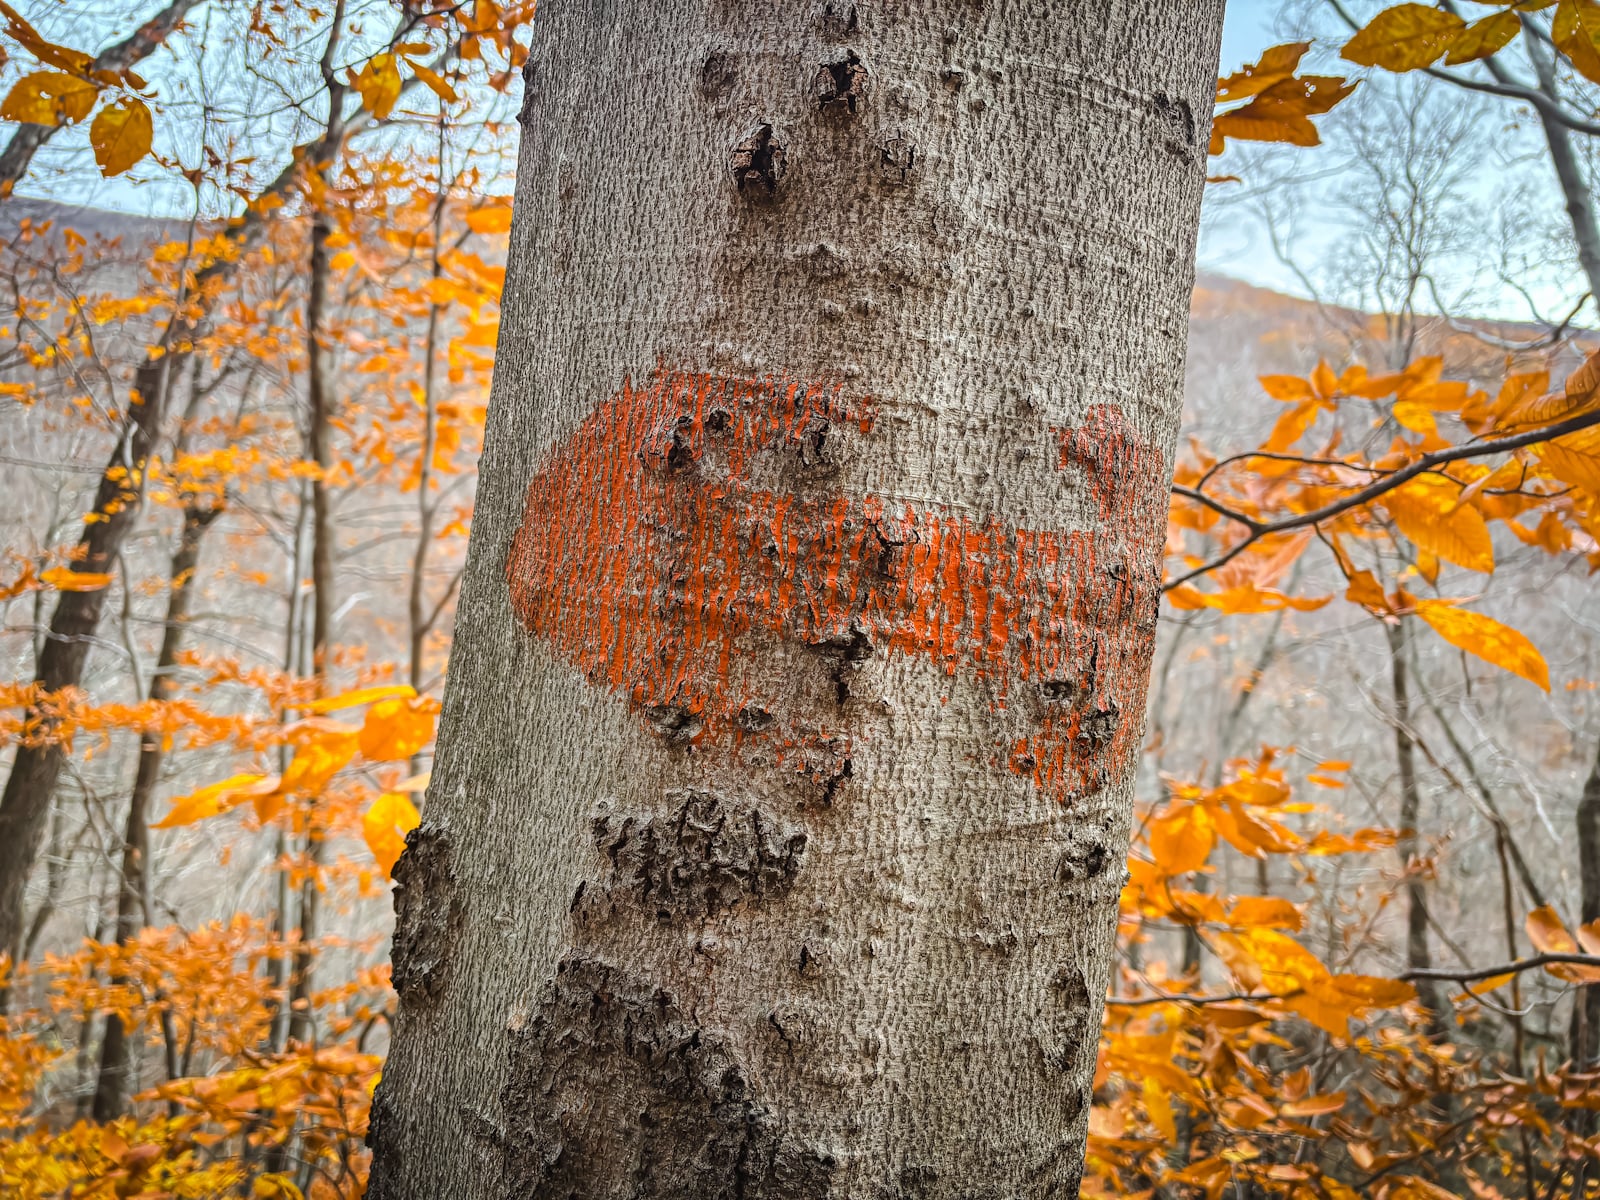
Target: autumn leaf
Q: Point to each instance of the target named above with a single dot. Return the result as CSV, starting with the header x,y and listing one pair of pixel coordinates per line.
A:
x,y
358,697
1181,840
1574,459
216,798
1549,935
385,826
120,135
1486,638
1314,1106
1427,511
65,579
74,62
379,84
437,83
1405,37
1575,31
397,728
1276,63
1484,38
49,98
490,219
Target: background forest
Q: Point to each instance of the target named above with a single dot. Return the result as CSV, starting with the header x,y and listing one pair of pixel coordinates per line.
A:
x,y
252,254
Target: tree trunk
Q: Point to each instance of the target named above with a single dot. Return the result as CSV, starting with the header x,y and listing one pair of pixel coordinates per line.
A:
x,y
1586,1006
1418,955
776,832
114,1084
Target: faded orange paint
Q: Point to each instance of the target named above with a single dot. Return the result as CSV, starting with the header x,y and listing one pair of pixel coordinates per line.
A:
x,y
683,520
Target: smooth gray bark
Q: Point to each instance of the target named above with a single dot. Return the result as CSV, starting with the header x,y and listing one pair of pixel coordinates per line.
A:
x,y
776,831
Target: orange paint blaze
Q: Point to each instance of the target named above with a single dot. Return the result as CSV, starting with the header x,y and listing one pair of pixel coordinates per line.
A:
x,y
653,545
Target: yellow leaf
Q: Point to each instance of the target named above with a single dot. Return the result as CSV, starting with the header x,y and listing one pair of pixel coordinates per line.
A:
x,y
1277,62
439,85
359,696
1270,912
1487,638
1288,388
1405,37
397,728
275,1187
316,764
379,84
1314,1106
491,218
216,798
1484,986
1483,38
1548,932
65,579
1159,1108
49,98
1576,33
385,826
120,135
1428,512
1181,841
1574,459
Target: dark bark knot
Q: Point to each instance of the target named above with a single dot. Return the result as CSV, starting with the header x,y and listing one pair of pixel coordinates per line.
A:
x,y
717,74
428,916
1086,856
840,86
700,860
614,1091
1098,727
757,162
841,21
1179,134
896,156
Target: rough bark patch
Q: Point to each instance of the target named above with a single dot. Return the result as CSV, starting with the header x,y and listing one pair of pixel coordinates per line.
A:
x,y
427,916
615,1092
700,860
653,542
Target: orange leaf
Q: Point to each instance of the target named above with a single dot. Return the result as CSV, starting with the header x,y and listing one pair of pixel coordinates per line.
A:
x,y
1405,37
379,84
1427,510
1487,638
1574,459
49,98
65,579
385,826
1483,38
1276,62
491,218
397,728
1314,1106
216,798
1576,33
1181,841
120,135
358,697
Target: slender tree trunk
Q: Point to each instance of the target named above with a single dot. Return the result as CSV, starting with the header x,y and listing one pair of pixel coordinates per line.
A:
x,y
776,832
1418,954
1586,1007
113,1086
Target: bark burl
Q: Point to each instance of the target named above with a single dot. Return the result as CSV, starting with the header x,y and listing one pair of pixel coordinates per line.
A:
x,y
775,838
